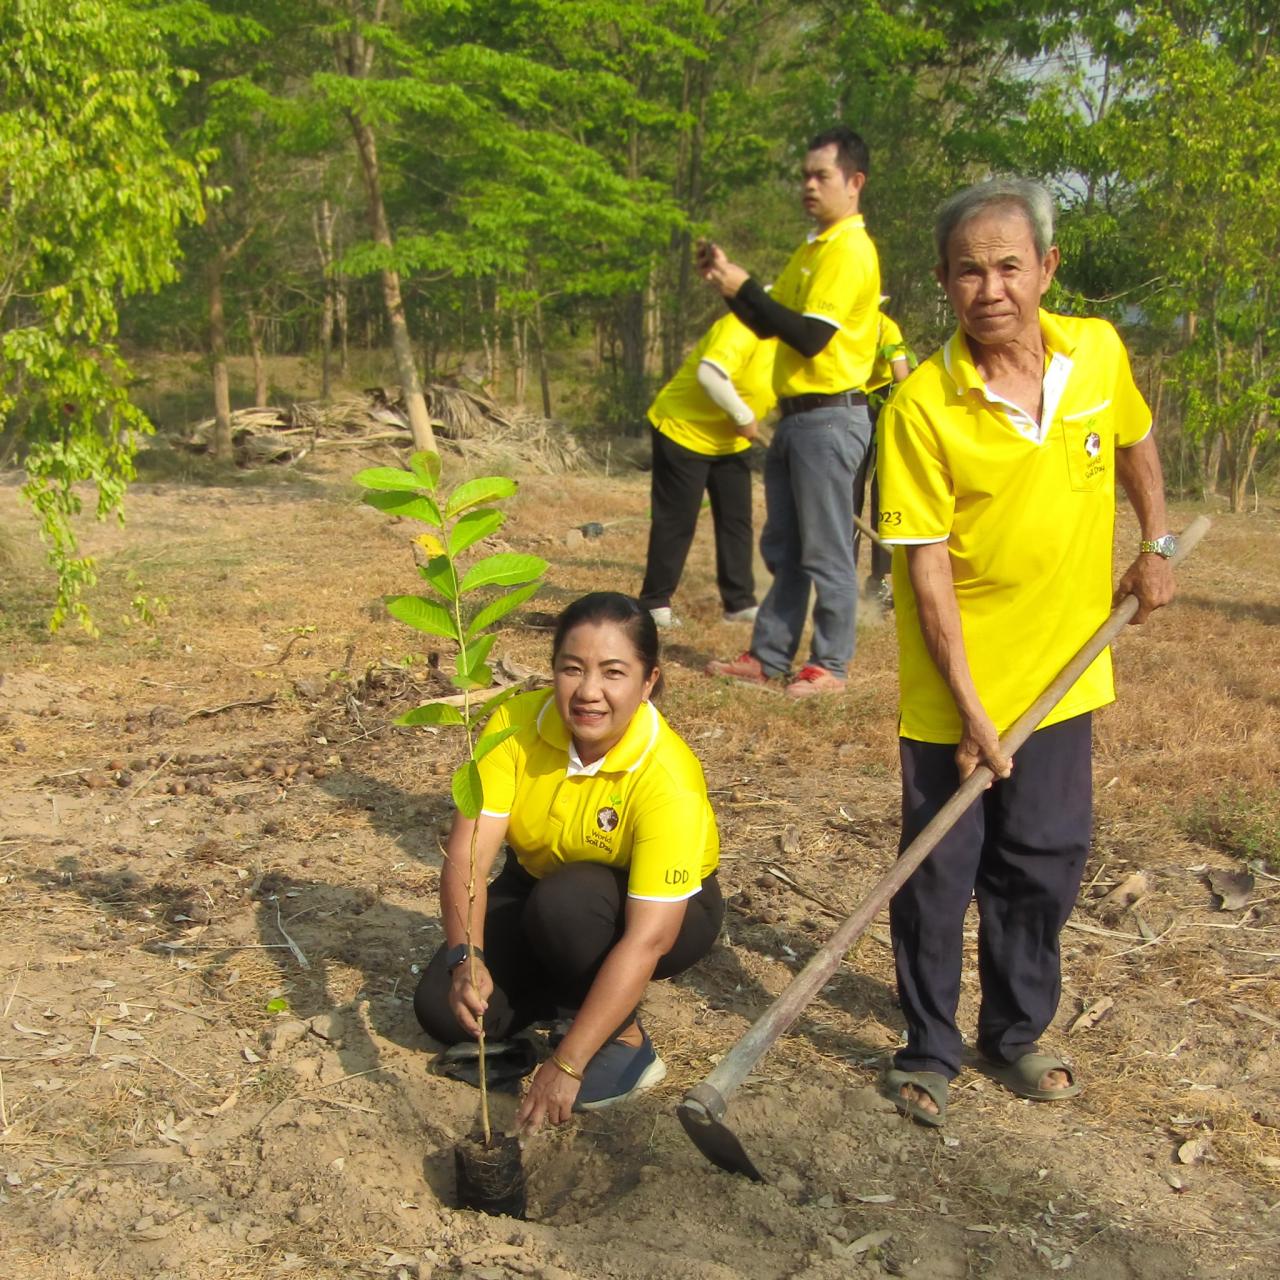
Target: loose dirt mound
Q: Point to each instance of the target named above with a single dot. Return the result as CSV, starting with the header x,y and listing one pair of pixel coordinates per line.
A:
x,y
219,865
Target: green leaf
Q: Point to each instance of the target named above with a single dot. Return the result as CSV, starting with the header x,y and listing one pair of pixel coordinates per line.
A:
x,y
506,569
472,493
468,791
492,704
423,615
389,478
426,466
431,713
491,740
472,658
500,607
439,572
473,680
277,1005
474,526
415,506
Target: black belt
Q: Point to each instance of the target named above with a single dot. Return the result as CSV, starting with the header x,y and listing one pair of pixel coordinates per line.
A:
x,y
803,404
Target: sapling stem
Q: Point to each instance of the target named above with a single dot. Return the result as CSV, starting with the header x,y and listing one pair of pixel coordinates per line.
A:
x,y
462,521
472,861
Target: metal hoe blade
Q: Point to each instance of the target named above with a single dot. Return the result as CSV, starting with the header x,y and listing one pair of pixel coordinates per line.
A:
x,y
701,1113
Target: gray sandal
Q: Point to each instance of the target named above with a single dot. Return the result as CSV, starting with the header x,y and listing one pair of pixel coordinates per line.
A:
x,y
932,1083
1023,1076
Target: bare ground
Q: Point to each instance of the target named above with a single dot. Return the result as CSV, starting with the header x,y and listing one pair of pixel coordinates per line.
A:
x,y
182,1096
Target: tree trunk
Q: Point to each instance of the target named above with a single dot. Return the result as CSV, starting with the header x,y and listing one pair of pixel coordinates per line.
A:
x,y
631,341
1212,464
496,371
323,225
218,360
488,333
261,392
401,341
340,314
1242,460
544,379
690,194
326,345
519,356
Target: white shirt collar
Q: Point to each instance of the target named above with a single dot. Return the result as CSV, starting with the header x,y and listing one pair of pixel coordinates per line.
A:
x,y
576,769
1052,386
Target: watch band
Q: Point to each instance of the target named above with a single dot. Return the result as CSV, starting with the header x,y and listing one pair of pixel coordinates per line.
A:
x,y
456,955
1163,546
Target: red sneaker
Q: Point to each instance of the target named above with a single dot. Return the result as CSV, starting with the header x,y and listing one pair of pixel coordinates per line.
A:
x,y
746,668
813,681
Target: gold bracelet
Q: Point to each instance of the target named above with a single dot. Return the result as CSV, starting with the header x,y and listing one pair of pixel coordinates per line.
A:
x,y
558,1061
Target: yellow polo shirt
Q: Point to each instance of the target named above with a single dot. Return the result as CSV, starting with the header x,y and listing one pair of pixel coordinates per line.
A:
x,y
834,276
890,347
685,413
644,806
1027,510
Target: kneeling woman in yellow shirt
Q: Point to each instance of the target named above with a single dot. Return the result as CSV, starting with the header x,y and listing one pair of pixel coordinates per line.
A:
x,y
610,876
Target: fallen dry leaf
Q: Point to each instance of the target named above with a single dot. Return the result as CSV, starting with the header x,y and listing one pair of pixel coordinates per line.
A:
x,y
1195,1151
1093,1014
871,1240
225,1105
1126,893
1232,888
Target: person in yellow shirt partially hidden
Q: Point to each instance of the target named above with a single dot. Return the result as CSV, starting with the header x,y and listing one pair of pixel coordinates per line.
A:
x,y
704,421
894,361
610,876
998,462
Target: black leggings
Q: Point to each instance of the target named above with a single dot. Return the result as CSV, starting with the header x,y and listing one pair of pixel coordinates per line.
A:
x,y
544,943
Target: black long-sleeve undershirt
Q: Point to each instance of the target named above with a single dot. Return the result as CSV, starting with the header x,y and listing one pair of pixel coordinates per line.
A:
x,y
768,318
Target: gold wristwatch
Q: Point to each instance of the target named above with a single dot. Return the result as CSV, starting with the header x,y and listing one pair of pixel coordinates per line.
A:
x,y
1165,546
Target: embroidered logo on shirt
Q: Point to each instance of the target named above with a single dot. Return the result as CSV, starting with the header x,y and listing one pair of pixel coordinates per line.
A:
x,y
607,818
1093,444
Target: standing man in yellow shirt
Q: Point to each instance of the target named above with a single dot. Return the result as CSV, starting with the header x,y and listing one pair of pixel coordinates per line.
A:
x,y
824,312
704,421
894,361
998,462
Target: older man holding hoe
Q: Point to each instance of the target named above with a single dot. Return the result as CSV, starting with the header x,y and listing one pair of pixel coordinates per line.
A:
x,y
824,311
998,462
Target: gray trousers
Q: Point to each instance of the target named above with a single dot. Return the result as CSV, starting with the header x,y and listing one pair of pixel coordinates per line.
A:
x,y
807,541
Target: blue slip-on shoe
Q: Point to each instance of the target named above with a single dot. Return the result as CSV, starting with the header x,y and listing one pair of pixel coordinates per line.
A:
x,y
617,1071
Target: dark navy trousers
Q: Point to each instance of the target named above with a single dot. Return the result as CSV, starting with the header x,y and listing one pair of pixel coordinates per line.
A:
x,y
1020,850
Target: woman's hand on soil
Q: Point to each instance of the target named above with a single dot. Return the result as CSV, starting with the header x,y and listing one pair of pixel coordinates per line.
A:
x,y
468,1001
551,1097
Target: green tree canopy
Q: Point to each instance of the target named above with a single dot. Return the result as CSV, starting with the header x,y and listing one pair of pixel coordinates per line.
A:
x,y
94,194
